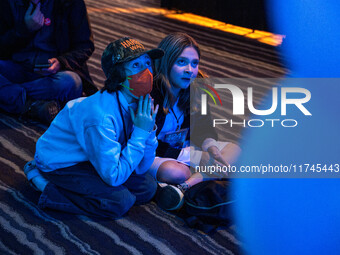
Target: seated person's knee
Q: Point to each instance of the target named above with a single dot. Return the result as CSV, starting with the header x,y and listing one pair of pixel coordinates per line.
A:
x,y
69,85
114,206
173,172
148,192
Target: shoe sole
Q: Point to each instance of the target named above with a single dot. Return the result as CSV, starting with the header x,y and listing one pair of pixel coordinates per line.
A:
x,y
170,198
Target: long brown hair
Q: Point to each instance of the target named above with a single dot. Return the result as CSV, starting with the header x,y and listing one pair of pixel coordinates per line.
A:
x,y
173,46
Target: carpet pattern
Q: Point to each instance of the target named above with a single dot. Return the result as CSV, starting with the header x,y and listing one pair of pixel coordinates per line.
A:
x,y
25,229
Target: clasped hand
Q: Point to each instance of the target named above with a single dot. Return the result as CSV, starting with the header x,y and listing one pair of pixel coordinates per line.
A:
x,y
145,115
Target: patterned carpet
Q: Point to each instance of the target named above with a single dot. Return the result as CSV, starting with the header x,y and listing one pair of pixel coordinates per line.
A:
x,y
25,229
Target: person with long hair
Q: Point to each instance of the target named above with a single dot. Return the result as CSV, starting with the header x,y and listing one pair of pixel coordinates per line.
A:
x,y
175,73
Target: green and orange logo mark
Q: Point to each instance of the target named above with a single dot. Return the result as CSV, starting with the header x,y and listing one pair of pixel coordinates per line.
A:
x,y
211,95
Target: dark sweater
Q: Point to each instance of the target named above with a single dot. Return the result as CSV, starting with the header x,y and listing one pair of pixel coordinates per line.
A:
x,y
73,35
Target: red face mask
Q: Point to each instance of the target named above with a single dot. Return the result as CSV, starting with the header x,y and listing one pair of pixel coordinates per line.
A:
x,y
141,83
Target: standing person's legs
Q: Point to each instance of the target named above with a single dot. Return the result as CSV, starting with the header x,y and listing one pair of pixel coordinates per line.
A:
x,y
80,190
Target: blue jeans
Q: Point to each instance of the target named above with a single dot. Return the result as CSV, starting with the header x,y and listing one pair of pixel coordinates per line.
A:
x,y
79,189
18,83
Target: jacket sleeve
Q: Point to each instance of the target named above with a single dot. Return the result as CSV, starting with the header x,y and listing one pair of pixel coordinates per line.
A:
x,y
12,37
149,154
81,41
113,164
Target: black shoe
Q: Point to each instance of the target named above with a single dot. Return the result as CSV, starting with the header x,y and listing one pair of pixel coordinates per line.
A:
x,y
43,111
169,197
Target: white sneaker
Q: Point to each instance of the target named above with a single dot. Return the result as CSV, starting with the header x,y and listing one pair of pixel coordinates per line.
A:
x,y
36,180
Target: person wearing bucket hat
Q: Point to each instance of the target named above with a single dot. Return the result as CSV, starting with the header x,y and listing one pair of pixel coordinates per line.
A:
x,y
118,74
93,159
